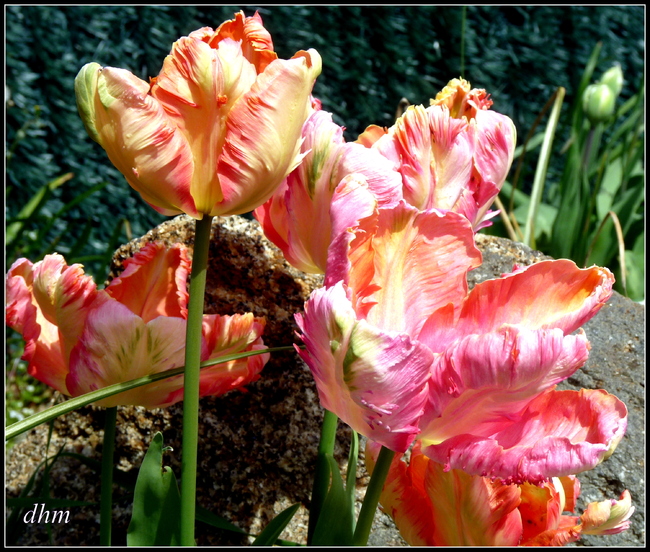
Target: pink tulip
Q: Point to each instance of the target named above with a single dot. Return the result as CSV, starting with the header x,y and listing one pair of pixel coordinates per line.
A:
x,y
400,349
435,507
80,339
454,155
297,217
216,131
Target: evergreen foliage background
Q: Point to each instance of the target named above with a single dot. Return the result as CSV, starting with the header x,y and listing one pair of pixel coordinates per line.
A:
x,y
372,57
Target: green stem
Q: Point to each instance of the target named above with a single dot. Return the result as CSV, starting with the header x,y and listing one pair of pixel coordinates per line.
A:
x,y
369,507
106,496
192,376
321,473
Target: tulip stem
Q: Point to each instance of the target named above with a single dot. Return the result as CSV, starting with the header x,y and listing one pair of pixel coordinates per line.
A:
x,y
106,494
369,506
321,472
189,453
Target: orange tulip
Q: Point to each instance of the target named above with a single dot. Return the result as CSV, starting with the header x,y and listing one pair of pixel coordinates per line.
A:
x,y
218,129
435,507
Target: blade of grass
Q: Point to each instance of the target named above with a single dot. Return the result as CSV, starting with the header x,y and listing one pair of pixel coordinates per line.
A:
x,y
72,404
542,167
619,239
32,208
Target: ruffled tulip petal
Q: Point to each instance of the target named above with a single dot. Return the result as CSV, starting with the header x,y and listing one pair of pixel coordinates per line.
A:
x,y
432,507
160,270
495,141
559,433
226,335
311,219
351,203
267,117
419,261
257,45
433,152
47,303
309,194
384,182
118,346
44,354
482,382
374,380
404,497
139,138
548,294
193,75
607,517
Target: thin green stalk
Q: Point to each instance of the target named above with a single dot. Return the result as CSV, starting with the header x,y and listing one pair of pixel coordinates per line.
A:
x,y
88,398
106,497
371,500
321,473
542,167
192,376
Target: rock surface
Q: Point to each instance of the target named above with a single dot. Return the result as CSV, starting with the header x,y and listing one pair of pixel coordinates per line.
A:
x,y
257,448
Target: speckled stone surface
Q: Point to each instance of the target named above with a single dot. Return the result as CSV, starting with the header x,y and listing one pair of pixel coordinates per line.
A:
x,y
258,447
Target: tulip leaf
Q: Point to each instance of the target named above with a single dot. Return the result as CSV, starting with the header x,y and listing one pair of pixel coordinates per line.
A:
x,y
335,523
272,531
206,516
156,502
335,526
72,404
32,208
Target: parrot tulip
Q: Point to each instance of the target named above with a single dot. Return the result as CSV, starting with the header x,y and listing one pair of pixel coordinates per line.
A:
x,y
434,507
218,129
454,155
80,339
297,217
400,349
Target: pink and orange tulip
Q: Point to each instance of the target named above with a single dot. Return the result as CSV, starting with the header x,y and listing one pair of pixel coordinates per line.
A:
x,y
401,350
80,339
453,155
297,217
218,129
435,507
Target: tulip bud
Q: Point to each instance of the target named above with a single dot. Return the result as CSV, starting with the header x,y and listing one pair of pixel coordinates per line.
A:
x,y
613,78
598,102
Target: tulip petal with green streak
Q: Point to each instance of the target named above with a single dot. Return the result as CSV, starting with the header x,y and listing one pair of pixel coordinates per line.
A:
x,y
216,131
298,217
79,338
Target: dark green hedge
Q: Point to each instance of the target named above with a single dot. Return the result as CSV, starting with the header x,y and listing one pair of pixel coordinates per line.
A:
x,y
372,57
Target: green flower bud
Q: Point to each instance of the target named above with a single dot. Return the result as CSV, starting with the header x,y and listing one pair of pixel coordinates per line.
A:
x,y
598,102
613,78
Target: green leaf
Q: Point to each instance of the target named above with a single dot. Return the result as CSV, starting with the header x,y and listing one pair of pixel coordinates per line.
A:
x,y
272,531
156,502
351,479
542,168
32,208
83,400
628,209
610,184
216,521
635,267
335,525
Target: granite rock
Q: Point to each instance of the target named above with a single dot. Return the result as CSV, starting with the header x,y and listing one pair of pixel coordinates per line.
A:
x,y
257,448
